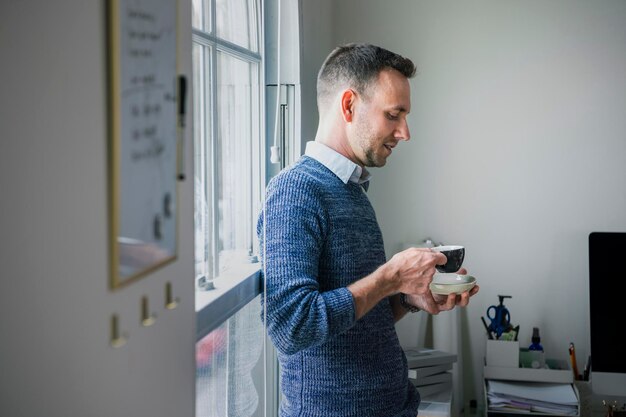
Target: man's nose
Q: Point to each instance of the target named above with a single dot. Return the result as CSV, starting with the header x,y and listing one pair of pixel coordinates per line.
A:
x,y
403,133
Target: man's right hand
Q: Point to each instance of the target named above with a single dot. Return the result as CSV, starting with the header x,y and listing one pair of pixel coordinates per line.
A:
x,y
414,269
410,271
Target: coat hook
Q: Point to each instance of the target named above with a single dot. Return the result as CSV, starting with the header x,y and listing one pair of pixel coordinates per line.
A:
x,y
147,319
117,340
170,302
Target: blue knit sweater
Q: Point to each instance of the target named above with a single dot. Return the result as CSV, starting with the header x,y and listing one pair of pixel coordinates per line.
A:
x,y
321,236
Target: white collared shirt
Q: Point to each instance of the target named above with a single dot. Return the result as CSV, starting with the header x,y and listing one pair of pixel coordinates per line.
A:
x,y
341,166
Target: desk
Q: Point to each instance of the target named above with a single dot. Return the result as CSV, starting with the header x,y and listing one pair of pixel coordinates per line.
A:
x,y
591,404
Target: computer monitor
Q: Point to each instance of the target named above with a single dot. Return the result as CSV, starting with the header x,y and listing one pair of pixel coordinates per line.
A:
x,y
607,289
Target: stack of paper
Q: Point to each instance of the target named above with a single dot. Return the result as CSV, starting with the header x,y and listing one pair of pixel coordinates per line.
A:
x,y
436,405
538,397
429,370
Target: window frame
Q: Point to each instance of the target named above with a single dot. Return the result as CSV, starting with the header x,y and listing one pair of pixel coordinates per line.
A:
x,y
242,283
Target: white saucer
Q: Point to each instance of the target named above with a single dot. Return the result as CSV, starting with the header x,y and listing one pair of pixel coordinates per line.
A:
x,y
445,284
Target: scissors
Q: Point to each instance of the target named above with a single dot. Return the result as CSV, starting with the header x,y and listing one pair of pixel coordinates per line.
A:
x,y
500,317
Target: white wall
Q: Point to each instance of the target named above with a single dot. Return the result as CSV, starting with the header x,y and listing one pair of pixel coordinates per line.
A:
x,y
55,305
289,41
317,41
518,151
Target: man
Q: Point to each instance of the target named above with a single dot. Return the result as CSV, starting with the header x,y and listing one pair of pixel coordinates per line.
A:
x,y
331,297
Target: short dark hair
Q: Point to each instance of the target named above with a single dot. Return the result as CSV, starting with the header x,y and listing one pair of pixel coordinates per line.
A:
x,y
356,65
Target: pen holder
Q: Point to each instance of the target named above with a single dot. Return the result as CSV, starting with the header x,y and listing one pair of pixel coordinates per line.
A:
x,y
503,353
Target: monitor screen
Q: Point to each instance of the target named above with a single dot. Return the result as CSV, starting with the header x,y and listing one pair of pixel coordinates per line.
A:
x,y
607,288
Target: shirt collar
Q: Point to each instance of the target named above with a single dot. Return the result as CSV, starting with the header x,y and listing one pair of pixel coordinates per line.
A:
x,y
341,166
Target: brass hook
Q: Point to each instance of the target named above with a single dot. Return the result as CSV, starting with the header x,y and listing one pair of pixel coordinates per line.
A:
x,y
147,319
117,340
170,302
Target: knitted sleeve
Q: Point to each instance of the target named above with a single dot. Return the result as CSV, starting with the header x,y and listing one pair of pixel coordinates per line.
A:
x,y
299,315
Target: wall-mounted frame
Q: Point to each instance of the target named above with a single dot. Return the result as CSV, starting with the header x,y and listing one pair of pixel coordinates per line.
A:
x,y
143,133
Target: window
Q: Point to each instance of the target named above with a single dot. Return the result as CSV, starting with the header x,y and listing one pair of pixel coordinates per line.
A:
x,y
229,181
229,374
237,369
227,132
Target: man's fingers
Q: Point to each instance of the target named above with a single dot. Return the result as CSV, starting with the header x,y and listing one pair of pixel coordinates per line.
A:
x,y
463,300
474,290
440,258
449,303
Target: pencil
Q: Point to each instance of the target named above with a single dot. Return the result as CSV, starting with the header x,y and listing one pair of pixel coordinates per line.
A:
x,y
572,357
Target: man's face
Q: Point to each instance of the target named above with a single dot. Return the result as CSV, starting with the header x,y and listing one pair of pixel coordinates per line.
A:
x,y
379,119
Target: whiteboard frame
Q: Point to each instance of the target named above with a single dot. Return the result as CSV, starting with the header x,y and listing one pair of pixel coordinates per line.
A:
x,y
115,106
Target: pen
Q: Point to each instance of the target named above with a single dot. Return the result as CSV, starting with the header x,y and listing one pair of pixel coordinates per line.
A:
x,y
572,357
587,369
516,330
486,328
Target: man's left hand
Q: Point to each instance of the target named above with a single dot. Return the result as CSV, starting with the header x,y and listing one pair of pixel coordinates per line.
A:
x,y
436,303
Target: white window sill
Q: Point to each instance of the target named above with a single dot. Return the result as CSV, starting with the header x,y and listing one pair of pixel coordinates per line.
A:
x,y
233,290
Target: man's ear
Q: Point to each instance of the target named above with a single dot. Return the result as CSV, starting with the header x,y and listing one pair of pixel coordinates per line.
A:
x,y
348,99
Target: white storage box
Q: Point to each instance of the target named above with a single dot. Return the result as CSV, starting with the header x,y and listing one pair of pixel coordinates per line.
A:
x,y
559,372
503,353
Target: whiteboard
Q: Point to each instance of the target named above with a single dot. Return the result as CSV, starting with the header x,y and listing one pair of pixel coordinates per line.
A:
x,y
144,135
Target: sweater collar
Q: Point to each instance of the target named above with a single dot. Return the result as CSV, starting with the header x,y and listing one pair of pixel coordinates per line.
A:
x,y
341,166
